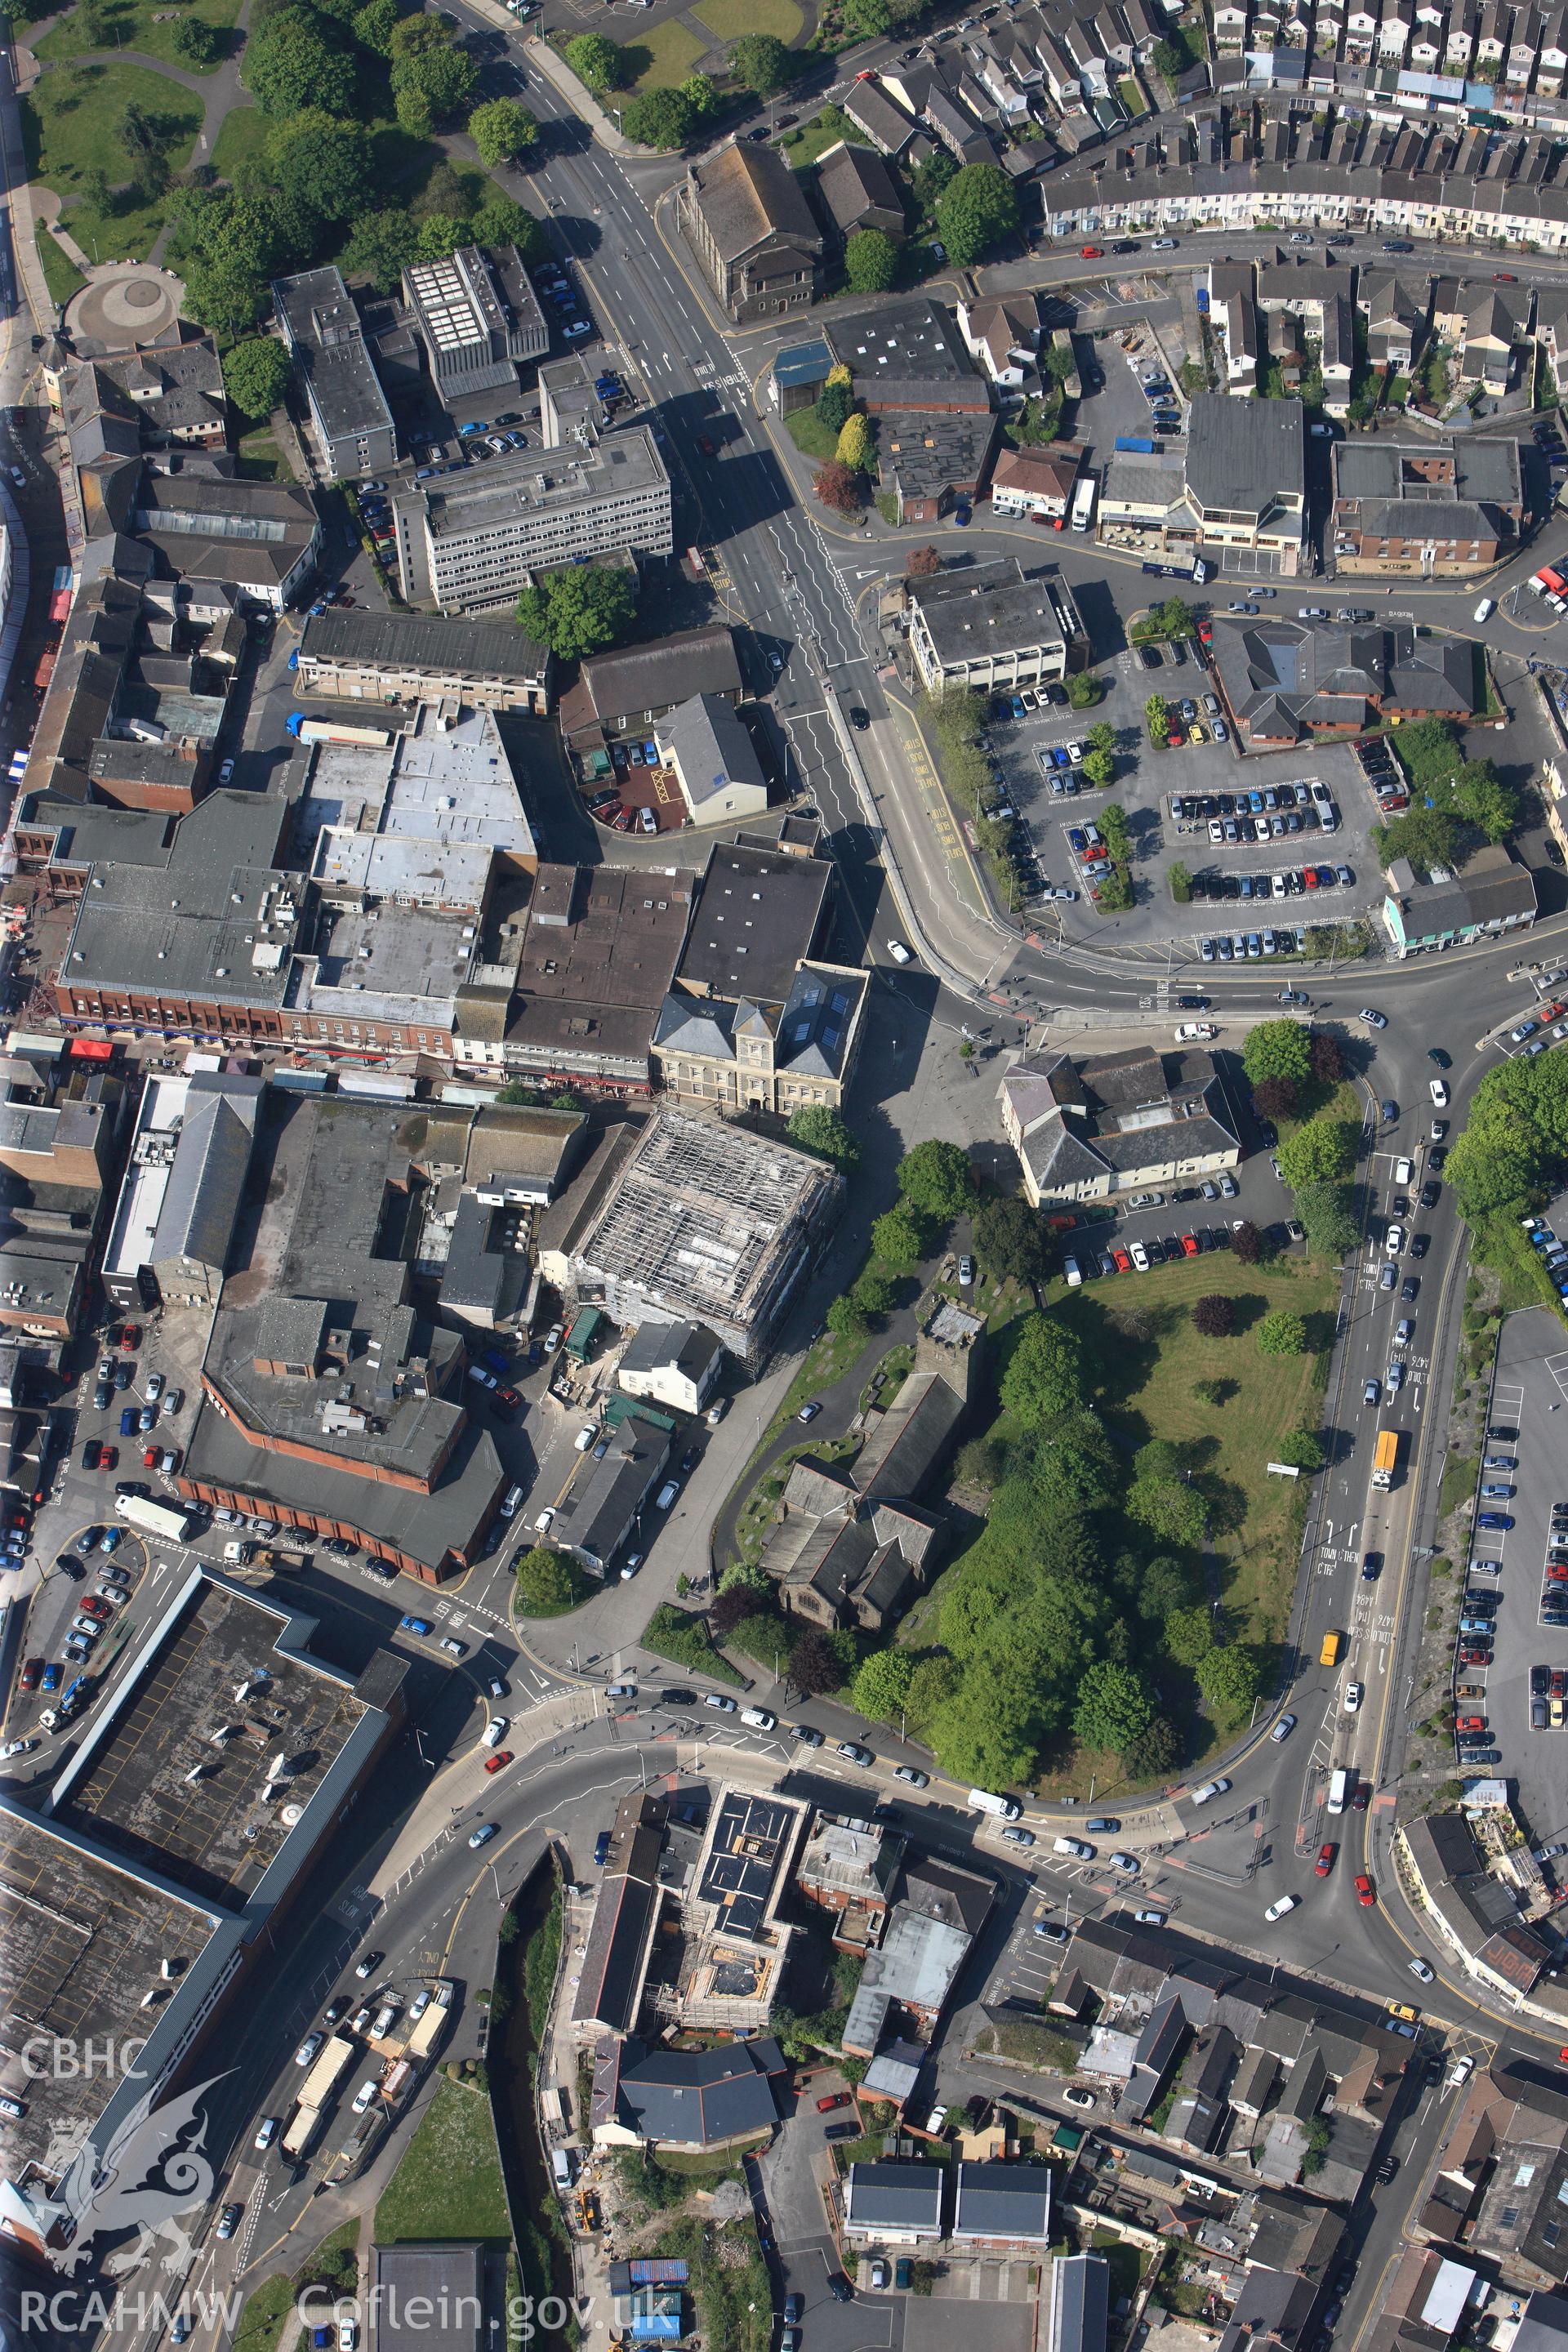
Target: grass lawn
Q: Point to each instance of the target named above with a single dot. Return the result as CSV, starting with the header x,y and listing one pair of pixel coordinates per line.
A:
x,y
240,141
62,275
267,2311
810,435
133,24
70,122
675,1634
1145,1356
730,18
449,2184
802,147
261,459
672,53
1458,1483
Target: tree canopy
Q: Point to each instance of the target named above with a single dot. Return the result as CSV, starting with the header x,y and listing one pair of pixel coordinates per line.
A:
x,y
837,488
1282,1334
1278,1049
579,611
547,1581
1113,1707
256,375
600,62
898,1237
881,1688
977,208
1011,1239
503,131
1320,1152
938,1178
1044,1376
870,261
818,1127
761,62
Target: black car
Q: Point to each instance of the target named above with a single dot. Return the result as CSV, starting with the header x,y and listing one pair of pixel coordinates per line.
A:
x,y
1419,1244
1428,1196
794,2307
676,1698
841,2131
859,719
838,2286
1387,2168
1409,1286
1539,1681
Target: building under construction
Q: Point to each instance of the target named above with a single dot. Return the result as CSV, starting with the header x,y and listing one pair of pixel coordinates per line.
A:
x,y
709,1222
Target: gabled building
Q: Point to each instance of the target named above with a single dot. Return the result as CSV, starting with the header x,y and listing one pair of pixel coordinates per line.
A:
x,y
1085,1130
856,191
1433,510
1285,681
751,227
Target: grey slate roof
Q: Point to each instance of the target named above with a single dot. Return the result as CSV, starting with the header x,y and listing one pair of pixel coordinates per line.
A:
x,y
1004,2200
212,1158
417,641
700,2096
895,2196
709,747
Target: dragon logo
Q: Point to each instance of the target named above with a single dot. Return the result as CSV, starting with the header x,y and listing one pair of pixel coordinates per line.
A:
x,y
154,2169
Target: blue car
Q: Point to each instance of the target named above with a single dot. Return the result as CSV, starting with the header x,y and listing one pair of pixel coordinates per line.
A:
x,y
601,1849
1078,838
128,1422
414,1625
1016,703
1059,758
1493,1520
651,753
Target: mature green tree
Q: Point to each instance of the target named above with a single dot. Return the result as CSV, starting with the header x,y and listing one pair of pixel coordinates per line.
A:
x,y
1231,1680
1189,1634
843,1319
546,1583
288,64
1011,1239
1278,1049
442,81
1326,1218
1320,1152
1282,1334
1159,1457
761,62
868,18
1113,1709
195,42
815,1666
600,62
1485,801
1075,1466
834,402
1303,1449
899,1238
376,23
657,118
978,207
1156,1751
503,131
938,1179
870,261
1045,1375
1100,737
256,375
380,248
322,163
1161,1585
874,1290
880,1690
819,1129
500,220
1170,1510
579,611
1098,768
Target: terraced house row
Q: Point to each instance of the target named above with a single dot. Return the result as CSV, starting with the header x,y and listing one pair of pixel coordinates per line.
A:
x,y
1220,170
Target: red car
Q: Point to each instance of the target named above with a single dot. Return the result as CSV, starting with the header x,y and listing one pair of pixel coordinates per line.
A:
x,y
1556,1570
1205,633
1310,877
1470,1723
91,1607
30,1673
705,445
1123,1261
1364,1891
1325,1861
508,1399
149,1456
502,1756
130,1337
833,2099
1475,1657
1174,740
1559,1682
1189,1244
109,1457
1092,253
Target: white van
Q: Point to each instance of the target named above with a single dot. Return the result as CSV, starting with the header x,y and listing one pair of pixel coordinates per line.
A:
x,y
1486,608
759,1718
1074,1846
1210,1789
1073,1272
667,1495
1005,1808
561,2166
1339,1791
510,1502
